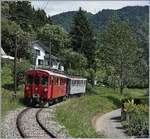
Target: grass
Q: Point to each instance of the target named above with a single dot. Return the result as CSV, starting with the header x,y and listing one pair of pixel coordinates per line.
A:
x,y
8,103
76,114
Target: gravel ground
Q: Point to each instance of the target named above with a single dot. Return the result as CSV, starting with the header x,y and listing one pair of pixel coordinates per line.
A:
x,y
54,127
109,125
8,124
31,127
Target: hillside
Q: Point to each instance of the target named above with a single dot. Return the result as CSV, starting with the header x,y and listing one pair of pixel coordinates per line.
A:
x,y
137,16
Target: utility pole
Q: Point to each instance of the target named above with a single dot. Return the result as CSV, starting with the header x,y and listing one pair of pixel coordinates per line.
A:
x,y
15,68
50,55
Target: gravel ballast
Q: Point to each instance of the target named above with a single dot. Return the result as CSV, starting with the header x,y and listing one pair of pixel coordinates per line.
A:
x,y
30,126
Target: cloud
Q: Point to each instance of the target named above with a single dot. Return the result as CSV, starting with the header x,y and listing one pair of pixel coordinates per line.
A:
x,y
56,7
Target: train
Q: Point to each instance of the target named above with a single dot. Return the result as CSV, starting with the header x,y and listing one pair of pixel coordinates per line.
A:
x,y
44,87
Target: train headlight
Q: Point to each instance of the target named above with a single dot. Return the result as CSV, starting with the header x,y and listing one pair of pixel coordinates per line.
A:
x,y
27,88
45,89
36,89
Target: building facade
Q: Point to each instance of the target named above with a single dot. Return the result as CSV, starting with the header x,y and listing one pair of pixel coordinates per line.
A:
x,y
42,57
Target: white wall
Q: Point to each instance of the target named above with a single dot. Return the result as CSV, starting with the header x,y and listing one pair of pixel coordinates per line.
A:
x,y
42,52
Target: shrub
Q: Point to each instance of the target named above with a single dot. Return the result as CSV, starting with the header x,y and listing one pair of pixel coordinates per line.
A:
x,y
21,68
91,90
138,124
136,118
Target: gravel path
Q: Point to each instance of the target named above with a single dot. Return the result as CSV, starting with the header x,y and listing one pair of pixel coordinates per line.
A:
x,y
109,125
31,127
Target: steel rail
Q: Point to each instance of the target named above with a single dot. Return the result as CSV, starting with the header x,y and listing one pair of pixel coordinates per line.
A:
x,y
42,126
18,123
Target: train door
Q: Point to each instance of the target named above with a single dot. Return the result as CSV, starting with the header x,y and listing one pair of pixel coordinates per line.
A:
x,y
68,83
52,86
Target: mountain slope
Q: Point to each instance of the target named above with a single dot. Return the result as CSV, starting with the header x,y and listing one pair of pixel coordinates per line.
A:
x,y
137,15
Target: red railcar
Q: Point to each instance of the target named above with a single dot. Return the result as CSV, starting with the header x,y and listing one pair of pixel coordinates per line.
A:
x,y
44,86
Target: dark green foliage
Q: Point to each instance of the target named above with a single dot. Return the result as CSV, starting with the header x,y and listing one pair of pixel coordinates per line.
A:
x,y
90,90
138,125
119,51
137,119
55,35
135,14
24,15
64,20
12,32
75,61
22,67
82,37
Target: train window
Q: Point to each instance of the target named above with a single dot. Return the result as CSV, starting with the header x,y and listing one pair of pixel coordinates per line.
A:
x,y
61,81
44,80
54,81
50,80
58,81
36,80
73,83
29,79
78,82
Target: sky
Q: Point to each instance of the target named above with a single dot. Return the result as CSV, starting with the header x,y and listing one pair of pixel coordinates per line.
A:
x,y
55,7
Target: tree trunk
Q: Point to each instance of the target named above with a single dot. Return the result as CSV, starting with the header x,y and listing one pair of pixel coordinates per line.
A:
x,y
121,90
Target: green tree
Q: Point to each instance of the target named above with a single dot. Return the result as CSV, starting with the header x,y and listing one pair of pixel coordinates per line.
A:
x,y
9,30
119,50
82,37
56,35
74,62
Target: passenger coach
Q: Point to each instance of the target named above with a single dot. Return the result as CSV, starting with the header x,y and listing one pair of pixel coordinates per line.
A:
x,y
76,85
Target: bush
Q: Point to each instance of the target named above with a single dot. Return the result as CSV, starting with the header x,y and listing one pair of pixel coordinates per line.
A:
x,y
136,117
21,69
90,89
138,124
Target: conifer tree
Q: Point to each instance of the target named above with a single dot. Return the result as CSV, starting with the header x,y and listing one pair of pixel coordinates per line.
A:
x,y
82,37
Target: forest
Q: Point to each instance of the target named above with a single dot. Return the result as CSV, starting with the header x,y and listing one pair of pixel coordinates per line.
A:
x,y
113,54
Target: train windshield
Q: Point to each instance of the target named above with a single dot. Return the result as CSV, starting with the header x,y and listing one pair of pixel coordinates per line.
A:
x,y
44,80
29,79
37,80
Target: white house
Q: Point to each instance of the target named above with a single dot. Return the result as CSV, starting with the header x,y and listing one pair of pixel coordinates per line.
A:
x,y
42,57
4,55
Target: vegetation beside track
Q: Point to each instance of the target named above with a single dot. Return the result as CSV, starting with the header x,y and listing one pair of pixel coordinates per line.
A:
x,y
76,113
7,101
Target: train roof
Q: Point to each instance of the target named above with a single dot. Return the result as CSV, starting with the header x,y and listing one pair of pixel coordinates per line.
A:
x,y
59,74
49,72
76,78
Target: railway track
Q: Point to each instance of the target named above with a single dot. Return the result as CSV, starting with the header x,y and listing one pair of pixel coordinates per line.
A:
x,y
25,121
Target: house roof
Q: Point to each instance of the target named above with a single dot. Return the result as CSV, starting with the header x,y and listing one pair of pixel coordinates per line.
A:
x,y
2,51
4,55
46,49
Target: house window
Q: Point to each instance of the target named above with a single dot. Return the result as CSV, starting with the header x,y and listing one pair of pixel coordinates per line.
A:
x,y
40,62
46,62
37,52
